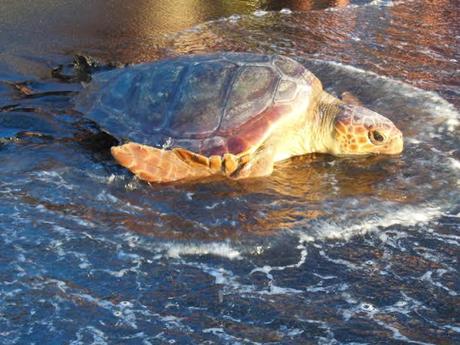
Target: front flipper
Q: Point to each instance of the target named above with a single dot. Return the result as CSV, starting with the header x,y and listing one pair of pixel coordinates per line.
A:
x,y
160,166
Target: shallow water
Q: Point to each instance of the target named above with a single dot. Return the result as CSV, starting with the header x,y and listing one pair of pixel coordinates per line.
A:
x,y
325,251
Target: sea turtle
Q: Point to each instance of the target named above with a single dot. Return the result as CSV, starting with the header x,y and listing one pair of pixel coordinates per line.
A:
x,y
230,114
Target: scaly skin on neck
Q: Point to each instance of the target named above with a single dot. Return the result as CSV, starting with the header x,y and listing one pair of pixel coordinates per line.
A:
x,y
321,126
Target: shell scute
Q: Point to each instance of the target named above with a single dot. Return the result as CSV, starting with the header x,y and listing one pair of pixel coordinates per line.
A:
x,y
135,101
241,58
200,101
116,97
151,96
254,131
287,91
251,94
289,67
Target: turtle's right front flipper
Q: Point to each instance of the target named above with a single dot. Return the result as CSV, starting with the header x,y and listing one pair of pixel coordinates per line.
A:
x,y
162,166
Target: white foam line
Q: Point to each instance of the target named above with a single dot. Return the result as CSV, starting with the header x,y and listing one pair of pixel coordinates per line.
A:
x,y
339,261
406,216
330,338
398,336
99,338
124,310
176,250
451,239
225,278
428,277
52,177
80,221
376,3
455,163
268,269
453,328
220,332
229,281
284,11
260,13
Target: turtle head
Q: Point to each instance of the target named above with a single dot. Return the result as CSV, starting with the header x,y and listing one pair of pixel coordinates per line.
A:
x,y
360,131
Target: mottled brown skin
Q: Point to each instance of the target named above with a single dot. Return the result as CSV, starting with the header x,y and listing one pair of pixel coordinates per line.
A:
x,y
359,131
327,125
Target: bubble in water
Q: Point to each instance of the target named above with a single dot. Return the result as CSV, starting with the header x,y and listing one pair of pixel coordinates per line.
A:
x,y
367,307
126,304
260,13
401,304
234,18
167,143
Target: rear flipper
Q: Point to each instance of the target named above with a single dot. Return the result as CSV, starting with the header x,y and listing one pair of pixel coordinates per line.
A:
x,y
161,166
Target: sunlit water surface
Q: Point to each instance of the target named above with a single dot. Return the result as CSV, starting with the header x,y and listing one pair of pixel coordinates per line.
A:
x,y
325,251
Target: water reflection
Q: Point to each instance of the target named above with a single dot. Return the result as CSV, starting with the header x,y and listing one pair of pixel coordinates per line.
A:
x,y
423,52
116,29
304,5
85,244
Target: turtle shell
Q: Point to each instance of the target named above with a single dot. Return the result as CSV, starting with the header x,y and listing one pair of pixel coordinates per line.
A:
x,y
210,104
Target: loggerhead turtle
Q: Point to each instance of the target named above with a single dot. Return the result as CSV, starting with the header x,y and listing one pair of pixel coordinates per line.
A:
x,y
230,114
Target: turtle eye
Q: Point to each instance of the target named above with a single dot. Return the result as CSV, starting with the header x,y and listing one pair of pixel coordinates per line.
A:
x,y
376,137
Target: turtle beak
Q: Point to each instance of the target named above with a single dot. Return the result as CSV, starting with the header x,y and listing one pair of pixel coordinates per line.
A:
x,y
396,144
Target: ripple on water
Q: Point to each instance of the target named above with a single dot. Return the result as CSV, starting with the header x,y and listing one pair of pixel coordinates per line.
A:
x,y
325,251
